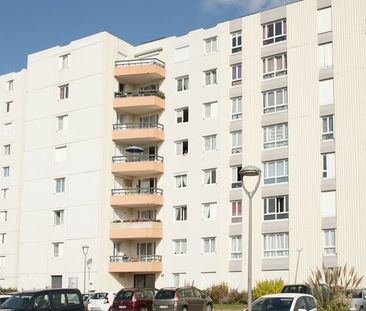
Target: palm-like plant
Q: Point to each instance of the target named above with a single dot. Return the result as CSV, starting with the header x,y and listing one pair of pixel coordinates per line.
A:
x,y
333,286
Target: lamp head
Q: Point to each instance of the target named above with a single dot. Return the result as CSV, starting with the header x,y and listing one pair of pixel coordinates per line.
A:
x,y
249,170
85,249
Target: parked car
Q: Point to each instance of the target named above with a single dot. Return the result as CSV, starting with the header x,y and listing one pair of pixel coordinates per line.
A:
x,y
358,300
134,299
86,300
100,301
182,299
4,298
285,302
62,299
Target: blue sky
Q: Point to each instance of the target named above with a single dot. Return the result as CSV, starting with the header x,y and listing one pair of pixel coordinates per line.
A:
x,y
28,26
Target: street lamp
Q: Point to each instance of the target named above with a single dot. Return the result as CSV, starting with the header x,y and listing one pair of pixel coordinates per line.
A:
x,y
250,171
85,249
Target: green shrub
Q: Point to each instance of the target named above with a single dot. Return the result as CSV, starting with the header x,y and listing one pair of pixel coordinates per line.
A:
x,y
222,294
7,290
267,287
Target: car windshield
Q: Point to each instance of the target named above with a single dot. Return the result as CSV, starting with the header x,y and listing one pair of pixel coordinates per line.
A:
x,y
98,296
165,294
295,289
17,301
277,304
124,295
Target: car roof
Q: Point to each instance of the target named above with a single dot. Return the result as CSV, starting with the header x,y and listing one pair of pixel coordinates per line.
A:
x,y
286,295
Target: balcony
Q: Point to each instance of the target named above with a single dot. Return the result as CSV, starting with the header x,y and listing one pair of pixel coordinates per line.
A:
x,y
137,197
139,71
137,165
138,133
138,229
139,103
145,263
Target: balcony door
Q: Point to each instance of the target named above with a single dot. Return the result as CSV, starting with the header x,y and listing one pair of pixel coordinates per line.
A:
x,y
145,250
148,121
147,185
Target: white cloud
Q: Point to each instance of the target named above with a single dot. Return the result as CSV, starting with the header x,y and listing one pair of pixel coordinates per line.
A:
x,y
245,5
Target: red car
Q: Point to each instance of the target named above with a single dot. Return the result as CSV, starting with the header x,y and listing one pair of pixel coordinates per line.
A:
x,y
134,299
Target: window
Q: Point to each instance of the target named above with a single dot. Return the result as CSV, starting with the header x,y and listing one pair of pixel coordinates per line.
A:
x,y
64,61
181,181
146,215
181,54
60,185
209,210
210,77
209,176
328,204
2,261
2,238
180,213
326,55
275,66
235,74
328,164
275,101
58,217
181,147
236,247
209,245
276,245
63,92
326,92
10,85
325,20
7,128
8,106
62,122
236,42
209,110
209,143
6,149
235,177
236,213
275,136
328,127
6,171
182,115
275,208
275,172
182,84
60,154
236,108
3,216
211,45
180,247
4,193
57,249
274,32
236,139
329,242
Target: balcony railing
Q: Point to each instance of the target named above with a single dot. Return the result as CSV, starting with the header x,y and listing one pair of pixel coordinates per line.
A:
x,y
143,125
141,258
145,61
139,94
137,158
131,191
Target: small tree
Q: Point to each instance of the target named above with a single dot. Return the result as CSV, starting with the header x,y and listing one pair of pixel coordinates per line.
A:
x,y
332,287
267,287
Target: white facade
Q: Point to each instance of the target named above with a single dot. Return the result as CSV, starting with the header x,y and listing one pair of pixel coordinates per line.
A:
x,y
290,103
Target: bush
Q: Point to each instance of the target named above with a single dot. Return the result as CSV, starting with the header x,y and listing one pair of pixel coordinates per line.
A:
x,y
267,287
7,290
221,293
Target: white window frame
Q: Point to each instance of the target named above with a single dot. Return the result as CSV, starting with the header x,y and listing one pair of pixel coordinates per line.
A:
x,y
209,210
6,171
57,249
10,85
182,115
210,45
275,208
326,55
236,108
7,149
236,42
180,213
58,217
3,216
209,110
180,247
277,71
181,147
4,193
209,143
275,136
3,238
236,247
276,178
235,176
60,154
275,37
328,165
328,127
180,181
8,106
182,83
7,128
209,245
60,184
210,77
326,92
209,176
236,74
236,211
236,142
64,61
275,105
62,122
63,91
325,20
275,245
329,242
2,261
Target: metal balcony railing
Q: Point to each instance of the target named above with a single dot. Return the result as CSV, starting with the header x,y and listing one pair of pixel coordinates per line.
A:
x,y
137,93
144,61
137,158
140,258
141,125
128,191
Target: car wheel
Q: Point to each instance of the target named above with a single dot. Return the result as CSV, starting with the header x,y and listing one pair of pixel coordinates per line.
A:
x,y
184,309
209,307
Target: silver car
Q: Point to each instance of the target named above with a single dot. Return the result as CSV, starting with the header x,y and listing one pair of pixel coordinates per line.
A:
x,y
182,299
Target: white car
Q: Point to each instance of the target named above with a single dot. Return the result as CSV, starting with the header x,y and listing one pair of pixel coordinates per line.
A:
x,y
100,301
285,302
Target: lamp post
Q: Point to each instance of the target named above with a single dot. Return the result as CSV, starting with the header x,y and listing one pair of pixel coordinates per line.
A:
x,y
250,171
85,249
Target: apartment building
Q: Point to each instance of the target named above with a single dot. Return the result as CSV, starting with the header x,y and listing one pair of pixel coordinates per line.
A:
x,y
135,152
